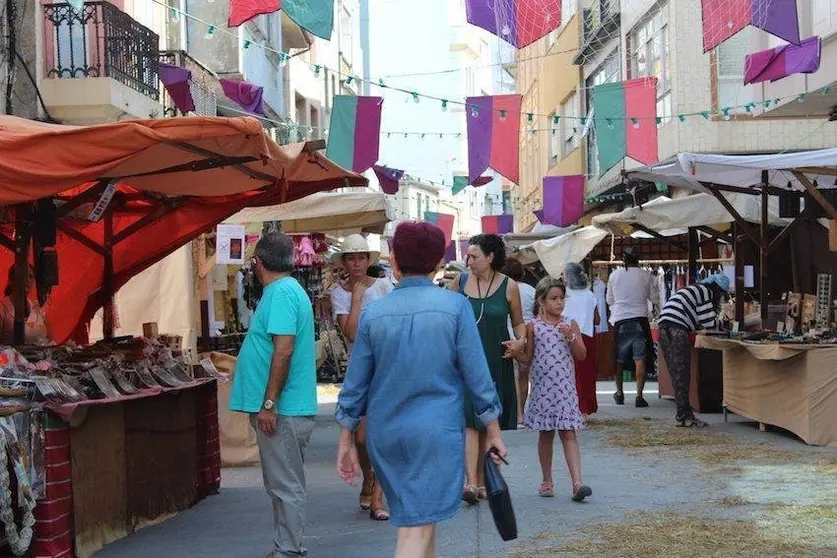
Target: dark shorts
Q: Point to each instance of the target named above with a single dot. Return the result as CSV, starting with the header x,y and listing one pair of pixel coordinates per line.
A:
x,y
630,342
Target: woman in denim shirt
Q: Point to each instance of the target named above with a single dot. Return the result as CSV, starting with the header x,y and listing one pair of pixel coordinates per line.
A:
x,y
416,354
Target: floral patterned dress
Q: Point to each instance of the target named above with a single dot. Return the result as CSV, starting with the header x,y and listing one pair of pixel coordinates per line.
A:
x,y
553,401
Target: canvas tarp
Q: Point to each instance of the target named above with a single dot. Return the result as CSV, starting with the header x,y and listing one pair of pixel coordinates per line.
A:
x,y
325,212
556,252
691,211
176,178
689,170
792,387
539,232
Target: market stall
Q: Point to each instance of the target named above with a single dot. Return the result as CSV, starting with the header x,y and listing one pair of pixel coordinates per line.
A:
x,y
771,372
75,221
793,387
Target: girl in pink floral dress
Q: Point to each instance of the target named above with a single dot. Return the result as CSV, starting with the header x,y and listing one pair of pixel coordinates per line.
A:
x,y
553,343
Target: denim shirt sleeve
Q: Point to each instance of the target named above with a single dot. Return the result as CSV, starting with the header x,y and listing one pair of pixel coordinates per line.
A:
x,y
474,367
351,403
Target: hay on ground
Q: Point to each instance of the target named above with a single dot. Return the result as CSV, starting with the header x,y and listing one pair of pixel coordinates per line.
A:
x,y
733,501
666,534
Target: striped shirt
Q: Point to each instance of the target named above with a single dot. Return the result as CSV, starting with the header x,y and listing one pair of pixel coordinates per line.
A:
x,y
692,307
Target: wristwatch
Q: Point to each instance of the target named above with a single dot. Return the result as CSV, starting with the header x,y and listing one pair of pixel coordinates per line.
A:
x,y
269,404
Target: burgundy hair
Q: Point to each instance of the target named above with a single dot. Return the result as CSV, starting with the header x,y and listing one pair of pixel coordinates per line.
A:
x,y
418,247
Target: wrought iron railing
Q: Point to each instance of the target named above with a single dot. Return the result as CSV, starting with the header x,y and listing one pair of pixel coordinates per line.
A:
x,y
100,40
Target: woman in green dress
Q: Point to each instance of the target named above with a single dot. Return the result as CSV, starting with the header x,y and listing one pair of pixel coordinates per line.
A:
x,y
494,298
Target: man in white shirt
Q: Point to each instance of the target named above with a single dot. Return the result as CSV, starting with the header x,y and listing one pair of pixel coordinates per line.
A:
x,y
628,293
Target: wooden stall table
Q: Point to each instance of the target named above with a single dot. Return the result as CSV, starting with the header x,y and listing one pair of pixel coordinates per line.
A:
x,y
793,387
116,465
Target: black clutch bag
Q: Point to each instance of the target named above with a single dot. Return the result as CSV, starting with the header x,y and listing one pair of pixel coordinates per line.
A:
x,y
499,498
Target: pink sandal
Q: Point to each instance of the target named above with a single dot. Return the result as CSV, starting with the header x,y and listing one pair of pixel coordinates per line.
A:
x,y
546,490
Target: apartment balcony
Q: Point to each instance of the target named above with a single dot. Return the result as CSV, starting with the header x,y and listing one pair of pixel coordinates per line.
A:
x,y
100,65
601,24
204,85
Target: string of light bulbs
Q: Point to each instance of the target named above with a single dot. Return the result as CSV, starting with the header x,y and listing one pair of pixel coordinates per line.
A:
x,y
445,103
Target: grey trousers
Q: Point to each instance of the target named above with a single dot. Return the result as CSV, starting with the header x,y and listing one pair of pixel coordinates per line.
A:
x,y
283,457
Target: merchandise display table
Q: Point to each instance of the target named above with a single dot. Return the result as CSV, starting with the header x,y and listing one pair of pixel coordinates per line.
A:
x,y
116,465
793,387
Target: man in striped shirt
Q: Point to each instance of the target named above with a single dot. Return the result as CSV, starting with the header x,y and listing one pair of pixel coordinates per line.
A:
x,y
690,309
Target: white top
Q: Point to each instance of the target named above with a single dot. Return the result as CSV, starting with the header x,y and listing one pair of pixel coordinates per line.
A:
x,y
628,294
341,299
599,289
580,305
527,304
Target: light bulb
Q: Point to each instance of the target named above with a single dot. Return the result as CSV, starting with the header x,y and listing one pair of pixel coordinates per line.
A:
x,y
283,59
475,111
502,115
174,15
416,98
210,32
506,30
444,105
609,124
635,124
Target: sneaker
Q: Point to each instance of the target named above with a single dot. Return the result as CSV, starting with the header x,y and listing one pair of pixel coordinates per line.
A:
x,y
641,402
619,397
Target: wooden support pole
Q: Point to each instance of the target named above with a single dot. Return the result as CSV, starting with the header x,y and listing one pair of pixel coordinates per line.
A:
x,y
108,325
693,244
816,194
735,215
23,234
765,200
738,245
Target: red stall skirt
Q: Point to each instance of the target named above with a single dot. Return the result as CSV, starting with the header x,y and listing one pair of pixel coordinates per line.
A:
x,y
585,378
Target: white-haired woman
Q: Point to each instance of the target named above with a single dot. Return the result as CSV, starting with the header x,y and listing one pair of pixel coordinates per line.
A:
x,y
580,306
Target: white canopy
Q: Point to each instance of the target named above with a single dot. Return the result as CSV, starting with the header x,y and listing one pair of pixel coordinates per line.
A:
x,y
539,232
554,253
324,212
692,211
689,170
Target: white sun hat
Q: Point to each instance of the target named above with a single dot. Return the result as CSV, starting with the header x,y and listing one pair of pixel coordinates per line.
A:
x,y
356,244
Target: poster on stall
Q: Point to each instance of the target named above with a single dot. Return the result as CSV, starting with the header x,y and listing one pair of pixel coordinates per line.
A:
x,y
229,244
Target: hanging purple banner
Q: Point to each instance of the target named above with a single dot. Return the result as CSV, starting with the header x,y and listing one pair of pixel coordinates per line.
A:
x,y
177,81
388,178
563,199
246,95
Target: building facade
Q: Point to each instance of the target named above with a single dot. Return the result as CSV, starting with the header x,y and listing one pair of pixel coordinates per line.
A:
x,y
550,144
702,101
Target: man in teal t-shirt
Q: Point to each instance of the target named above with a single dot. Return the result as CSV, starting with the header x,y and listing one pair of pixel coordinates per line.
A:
x,y
275,382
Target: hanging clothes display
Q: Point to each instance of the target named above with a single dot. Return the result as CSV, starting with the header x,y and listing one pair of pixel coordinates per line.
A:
x,y
600,292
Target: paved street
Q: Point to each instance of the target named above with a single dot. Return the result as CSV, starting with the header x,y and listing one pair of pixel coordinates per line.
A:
x,y
717,482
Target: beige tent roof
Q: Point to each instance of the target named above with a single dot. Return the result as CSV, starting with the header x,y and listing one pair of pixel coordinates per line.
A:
x,y
326,212
691,211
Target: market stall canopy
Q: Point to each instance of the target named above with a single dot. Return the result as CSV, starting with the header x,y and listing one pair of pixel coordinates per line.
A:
x,y
170,179
695,170
554,253
325,212
698,210
539,232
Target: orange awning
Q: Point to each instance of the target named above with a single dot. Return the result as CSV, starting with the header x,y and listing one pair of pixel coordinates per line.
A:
x,y
176,178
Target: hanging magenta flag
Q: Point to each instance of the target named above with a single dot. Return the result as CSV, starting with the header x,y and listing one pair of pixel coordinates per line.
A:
x,y
315,16
723,19
177,82
493,135
563,200
388,178
519,22
498,224
443,221
245,94
783,61
355,130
